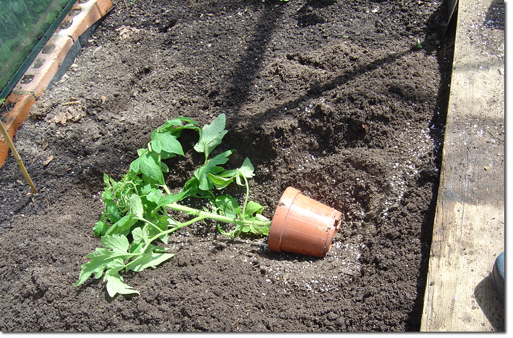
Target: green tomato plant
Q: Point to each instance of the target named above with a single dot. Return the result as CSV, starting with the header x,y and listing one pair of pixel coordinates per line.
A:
x,y
137,209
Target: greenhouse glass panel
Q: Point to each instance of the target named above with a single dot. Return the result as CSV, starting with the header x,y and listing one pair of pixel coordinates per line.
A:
x,y
25,26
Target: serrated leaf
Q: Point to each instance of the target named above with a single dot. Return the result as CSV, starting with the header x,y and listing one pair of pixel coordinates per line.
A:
x,y
228,205
100,228
148,260
112,211
117,242
211,167
169,199
147,165
165,142
247,170
219,182
98,263
122,226
136,206
140,235
211,135
115,284
253,208
175,126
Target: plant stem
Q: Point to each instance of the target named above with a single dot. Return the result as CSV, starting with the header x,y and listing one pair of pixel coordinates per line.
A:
x,y
178,226
247,195
166,188
150,223
216,217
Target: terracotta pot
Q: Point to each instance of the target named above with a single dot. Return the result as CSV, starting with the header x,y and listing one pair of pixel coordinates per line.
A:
x,y
302,225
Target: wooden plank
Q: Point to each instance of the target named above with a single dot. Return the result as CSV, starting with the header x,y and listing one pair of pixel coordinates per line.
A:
x,y
468,230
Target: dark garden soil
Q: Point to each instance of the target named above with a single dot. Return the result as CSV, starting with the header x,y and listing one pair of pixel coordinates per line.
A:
x,y
331,97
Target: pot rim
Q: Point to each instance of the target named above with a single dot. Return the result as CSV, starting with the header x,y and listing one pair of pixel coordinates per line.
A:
x,y
280,215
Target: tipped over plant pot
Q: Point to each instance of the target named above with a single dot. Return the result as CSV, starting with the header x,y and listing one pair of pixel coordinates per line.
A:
x,y
302,225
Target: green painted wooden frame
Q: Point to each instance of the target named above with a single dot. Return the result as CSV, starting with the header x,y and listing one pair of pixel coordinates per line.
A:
x,y
41,30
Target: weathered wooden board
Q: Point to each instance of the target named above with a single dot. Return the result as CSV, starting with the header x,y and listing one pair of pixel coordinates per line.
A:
x,y
468,231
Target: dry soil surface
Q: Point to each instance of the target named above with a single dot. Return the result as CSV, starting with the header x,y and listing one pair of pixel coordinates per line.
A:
x,y
332,97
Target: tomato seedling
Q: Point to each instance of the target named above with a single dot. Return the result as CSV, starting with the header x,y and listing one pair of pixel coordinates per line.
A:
x,y
136,213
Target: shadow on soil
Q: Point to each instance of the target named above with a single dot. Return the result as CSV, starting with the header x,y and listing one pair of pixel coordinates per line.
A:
x,y
250,64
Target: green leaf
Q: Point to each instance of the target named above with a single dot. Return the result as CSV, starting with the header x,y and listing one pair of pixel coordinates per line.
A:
x,y
135,205
118,243
211,167
107,193
246,170
253,208
228,205
170,199
136,247
163,167
151,168
151,194
100,228
229,173
165,142
112,211
176,126
163,224
115,283
122,226
190,188
256,229
219,182
98,263
157,228
148,260
99,259
147,165
211,136
140,235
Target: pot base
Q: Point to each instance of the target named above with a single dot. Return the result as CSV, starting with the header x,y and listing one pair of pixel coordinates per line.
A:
x,y
302,225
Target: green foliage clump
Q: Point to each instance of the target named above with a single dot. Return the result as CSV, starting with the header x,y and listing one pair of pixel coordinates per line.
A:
x,y
136,213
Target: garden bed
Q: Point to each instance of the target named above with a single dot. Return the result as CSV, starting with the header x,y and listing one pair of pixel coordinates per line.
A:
x,y
343,100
